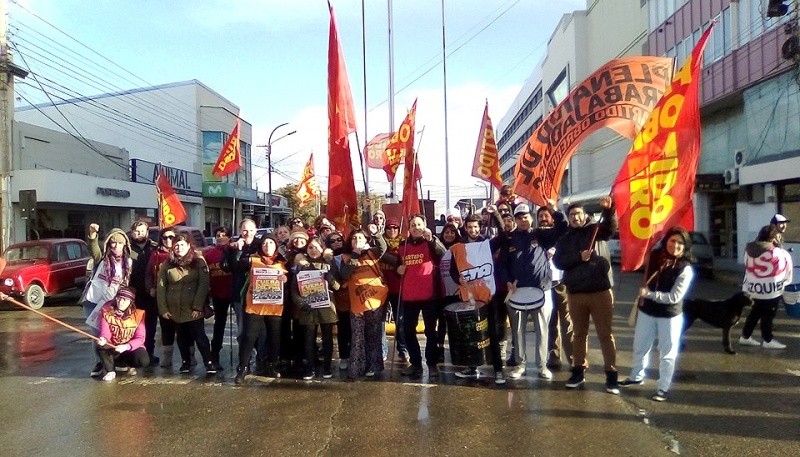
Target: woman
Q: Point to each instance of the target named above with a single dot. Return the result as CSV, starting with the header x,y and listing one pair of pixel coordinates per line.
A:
x,y
159,256
282,238
341,299
181,292
221,284
310,317
660,305
263,308
360,269
122,331
112,270
768,268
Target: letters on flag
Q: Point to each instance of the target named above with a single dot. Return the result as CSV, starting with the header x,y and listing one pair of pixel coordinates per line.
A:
x,y
619,95
230,157
170,208
308,188
486,165
400,145
374,150
653,190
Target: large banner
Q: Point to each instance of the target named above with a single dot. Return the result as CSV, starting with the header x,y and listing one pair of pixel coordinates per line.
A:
x,y
474,264
654,188
620,95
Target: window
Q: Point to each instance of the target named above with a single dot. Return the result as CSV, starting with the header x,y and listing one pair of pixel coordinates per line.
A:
x,y
790,207
74,251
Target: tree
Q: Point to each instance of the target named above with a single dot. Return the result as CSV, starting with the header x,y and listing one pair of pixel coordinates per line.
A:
x,y
307,212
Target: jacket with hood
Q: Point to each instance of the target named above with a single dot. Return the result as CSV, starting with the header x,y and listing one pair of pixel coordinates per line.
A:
x,y
768,269
182,286
108,273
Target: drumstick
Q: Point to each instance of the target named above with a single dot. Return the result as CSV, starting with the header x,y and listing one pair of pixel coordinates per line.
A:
x,y
508,297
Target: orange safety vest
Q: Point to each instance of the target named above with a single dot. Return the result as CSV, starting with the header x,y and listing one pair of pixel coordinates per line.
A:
x,y
366,288
259,308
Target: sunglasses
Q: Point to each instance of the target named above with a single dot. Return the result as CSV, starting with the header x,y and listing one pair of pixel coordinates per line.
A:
x,y
392,227
167,237
336,240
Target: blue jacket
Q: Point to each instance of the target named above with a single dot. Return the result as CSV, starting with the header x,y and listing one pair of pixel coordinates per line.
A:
x,y
524,260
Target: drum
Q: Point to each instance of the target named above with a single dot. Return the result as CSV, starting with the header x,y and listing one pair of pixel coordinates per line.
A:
x,y
791,300
526,298
468,333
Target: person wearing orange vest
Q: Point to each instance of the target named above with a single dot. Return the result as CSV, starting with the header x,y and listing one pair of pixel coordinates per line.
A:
x,y
420,254
122,333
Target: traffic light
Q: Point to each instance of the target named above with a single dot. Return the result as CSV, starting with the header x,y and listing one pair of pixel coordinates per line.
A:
x,y
777,8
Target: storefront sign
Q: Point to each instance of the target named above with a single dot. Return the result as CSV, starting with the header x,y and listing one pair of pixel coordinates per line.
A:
x,y
109,192
184,182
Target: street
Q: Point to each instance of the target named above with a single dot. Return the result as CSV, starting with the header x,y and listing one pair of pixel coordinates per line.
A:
x,y
720,404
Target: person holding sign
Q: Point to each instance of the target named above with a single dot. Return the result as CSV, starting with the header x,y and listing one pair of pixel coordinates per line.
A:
x,y
311,284
367,292
263,307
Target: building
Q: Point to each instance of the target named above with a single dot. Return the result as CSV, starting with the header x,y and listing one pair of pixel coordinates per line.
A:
x,y
181,126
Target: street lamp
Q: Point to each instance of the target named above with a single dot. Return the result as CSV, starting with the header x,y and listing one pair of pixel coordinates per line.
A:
x,y
269,164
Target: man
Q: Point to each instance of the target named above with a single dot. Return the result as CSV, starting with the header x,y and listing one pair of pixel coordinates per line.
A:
x,y
473,228
419,255
141,249
560,328
587,276
524,264
780,222
239,253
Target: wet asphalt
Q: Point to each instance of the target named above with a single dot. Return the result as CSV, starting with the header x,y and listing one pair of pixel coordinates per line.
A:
x,y
746,404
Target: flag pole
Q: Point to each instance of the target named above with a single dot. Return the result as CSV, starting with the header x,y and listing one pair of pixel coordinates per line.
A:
x,y
392,188
446,149
233,217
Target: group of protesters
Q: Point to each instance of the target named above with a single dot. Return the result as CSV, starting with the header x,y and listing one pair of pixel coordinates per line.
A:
x,y
293,288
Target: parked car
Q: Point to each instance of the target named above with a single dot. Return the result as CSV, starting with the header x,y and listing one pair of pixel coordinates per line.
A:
x,y
36,269
704,253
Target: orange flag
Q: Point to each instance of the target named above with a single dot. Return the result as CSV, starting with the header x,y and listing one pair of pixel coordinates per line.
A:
x,y
654,188
619,95
342,205
486,164
411,174
401,144
374,150
308,187
170,208
230,157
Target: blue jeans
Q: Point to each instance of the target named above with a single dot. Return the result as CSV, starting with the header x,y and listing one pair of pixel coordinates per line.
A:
x,y
667,330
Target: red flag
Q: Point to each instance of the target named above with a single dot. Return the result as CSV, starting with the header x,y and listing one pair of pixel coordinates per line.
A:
x,y
342,204
374,150
230,157
654,188
401,144
411,174
170,208
308,187
486,164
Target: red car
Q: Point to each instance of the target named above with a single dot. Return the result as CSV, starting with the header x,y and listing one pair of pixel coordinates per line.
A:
x,y
36,269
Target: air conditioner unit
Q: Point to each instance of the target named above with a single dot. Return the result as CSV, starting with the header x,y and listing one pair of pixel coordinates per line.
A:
x,y
738,158
731,176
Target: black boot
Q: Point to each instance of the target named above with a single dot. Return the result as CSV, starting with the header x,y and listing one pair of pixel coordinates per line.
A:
x,y
241,372
576,379
612,384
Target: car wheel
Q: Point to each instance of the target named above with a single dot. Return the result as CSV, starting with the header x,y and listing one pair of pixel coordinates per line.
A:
x,y
34,296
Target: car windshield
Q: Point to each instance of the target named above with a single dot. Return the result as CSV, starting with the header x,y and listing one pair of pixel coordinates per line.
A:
x,y
25,253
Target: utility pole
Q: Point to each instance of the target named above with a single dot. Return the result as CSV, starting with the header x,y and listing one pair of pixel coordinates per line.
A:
x,y
269,165
7,73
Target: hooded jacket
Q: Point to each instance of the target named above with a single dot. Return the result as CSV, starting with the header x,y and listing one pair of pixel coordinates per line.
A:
x,y
768,269
107,277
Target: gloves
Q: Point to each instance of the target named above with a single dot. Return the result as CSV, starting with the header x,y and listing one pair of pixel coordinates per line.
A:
x,y
122,348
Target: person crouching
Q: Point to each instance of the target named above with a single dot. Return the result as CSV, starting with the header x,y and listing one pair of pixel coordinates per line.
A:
x,y
122,332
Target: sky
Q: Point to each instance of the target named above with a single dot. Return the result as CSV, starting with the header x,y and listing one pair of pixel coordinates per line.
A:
x,y
269,57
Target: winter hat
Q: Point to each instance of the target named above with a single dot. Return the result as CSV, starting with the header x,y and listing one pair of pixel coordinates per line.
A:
x,y
298,233
778,218
393,222
126,292
118,237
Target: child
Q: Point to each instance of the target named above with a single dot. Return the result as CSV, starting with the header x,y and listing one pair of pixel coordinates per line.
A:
x,y
122,331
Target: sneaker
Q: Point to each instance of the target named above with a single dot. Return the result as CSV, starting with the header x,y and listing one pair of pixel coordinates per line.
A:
x,y
121,368
468,373
328,374
210,368
748,341
108,377
612,383
659,396
412,370
773,344
631,382
576,379
241,373
404,357
185,367
344,363
499,378
132,371
517,372
308,375
545,374
98,368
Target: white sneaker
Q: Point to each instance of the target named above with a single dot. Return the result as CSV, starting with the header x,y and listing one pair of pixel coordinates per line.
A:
x,y
517,372
110,376
773,344
499,378
749,341
545,374
344,363
132,371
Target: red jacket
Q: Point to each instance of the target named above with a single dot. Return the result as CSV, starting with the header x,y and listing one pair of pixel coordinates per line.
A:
x,y
221,281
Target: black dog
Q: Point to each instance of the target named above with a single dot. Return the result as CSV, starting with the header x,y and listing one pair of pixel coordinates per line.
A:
x,y
722,314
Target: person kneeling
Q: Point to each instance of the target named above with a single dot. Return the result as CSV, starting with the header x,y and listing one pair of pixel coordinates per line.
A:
x,y
122,332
